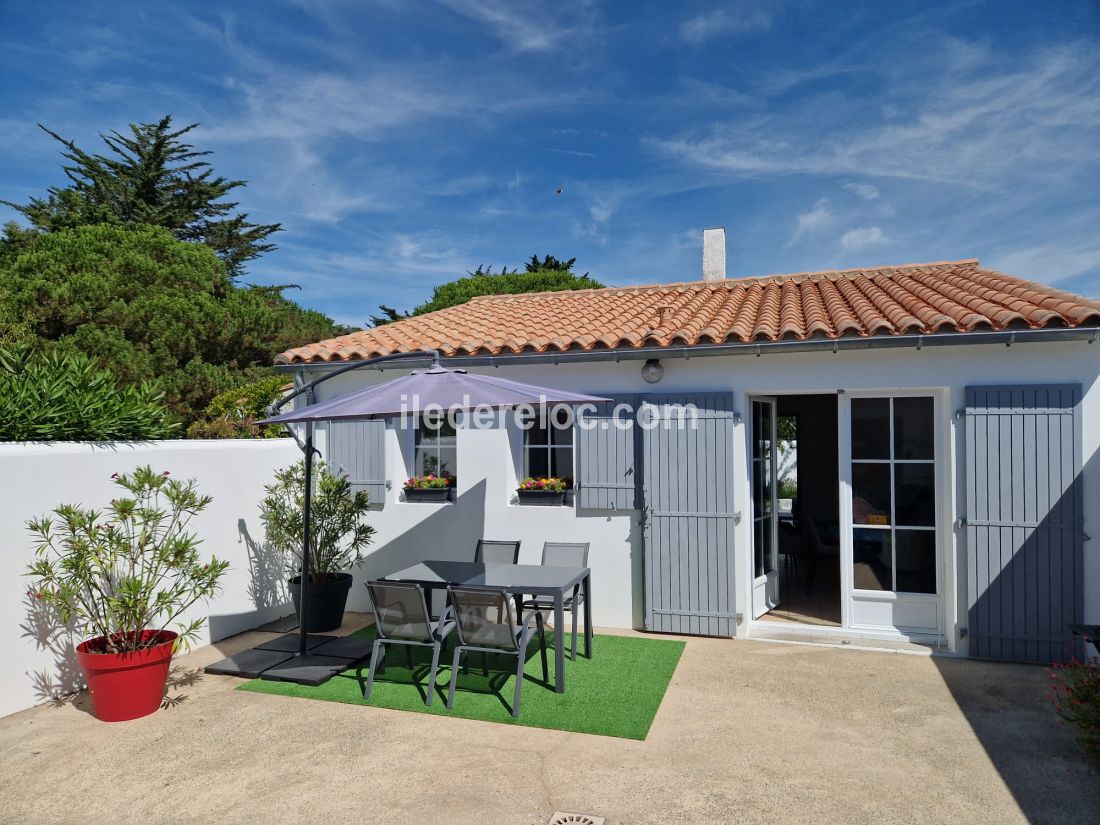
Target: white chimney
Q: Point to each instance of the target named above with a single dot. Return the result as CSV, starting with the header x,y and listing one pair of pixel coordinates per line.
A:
x,y
714,254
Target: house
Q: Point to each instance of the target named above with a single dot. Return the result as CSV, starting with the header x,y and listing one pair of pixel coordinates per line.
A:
x,y
947,420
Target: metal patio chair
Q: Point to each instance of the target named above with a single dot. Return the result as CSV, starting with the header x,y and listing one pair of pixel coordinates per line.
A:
x,y
563,554
401,618
485,623
496,552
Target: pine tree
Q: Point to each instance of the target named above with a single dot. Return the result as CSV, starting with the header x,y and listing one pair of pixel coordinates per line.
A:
x,y
151,177
546,275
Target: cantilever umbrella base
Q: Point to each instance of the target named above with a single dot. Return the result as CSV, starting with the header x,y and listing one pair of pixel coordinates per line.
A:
x,y
276,660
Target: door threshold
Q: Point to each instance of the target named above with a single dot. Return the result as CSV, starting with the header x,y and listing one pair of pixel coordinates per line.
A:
x,y
845,638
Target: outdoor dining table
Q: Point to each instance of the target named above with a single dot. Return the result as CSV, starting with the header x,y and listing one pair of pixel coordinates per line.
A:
x,y
517,580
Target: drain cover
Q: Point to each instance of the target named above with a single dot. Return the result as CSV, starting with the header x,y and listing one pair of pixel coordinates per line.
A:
x,y
566,818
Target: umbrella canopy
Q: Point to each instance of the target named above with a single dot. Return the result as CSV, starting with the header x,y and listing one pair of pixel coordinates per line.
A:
x,y
436,388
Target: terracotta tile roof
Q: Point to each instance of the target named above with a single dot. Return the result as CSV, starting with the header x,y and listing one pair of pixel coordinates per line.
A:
x,y
947,296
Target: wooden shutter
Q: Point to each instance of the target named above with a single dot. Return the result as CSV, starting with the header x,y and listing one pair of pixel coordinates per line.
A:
x,y
689,518
357,449
1024,520
604,454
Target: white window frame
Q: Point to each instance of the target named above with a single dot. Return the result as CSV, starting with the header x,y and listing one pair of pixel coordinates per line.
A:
x,y
416,430
548,448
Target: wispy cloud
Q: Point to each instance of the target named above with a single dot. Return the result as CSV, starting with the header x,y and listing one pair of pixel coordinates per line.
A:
x,y
964,116
812,221
863,237
523,26
743,18
863,190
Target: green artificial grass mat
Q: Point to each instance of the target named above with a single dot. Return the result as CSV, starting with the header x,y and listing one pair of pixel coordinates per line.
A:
x,y
616,693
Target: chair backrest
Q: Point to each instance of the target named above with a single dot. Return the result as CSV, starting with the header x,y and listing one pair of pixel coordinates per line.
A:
x,y
496,552
483,618
565,554
400,611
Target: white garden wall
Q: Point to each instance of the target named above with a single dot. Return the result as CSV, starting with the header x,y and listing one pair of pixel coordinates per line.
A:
x,y
34,478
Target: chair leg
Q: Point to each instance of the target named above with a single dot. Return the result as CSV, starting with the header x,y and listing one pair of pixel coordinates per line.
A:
x,y
408,656
377,652
573,651
436,648
454,676
542,647
484,663
519,682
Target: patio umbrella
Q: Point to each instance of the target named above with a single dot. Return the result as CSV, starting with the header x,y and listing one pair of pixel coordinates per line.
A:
x,y
435,388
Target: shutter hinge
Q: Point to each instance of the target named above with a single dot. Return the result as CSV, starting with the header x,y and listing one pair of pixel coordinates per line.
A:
x,y
962,632
960,523
959,414
737,517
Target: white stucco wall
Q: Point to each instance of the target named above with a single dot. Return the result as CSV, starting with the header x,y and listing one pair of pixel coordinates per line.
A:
x,y
35,478
488,458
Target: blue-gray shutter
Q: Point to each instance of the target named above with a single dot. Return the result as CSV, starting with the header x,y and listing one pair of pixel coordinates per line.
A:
x,y
604,454
1024,520
357,449
689,517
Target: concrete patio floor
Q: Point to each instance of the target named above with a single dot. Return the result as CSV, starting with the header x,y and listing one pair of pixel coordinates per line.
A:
x,y
748,732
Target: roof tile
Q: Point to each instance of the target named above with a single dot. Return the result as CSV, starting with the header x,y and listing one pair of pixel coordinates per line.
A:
x,y
957,296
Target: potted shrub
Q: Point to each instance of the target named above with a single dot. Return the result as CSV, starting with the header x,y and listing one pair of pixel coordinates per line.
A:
x,y
124,575
429,488
339,541
542,490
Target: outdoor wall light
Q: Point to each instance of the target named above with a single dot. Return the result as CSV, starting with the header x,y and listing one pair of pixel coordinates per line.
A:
x,y
652,371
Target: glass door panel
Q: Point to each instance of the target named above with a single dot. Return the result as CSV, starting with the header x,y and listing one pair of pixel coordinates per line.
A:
x,y
765,508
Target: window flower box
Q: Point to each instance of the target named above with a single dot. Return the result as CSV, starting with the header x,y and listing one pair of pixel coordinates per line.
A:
x,y
541,497
429,488
542,491
432,494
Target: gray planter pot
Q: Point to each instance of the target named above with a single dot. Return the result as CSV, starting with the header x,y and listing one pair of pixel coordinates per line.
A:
x,y
540,497
327,600
435,494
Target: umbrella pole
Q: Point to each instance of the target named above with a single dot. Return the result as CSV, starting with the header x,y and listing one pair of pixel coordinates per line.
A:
x,y
307,503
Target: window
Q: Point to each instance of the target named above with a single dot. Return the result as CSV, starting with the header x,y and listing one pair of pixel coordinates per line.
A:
x,y
894,494
436,451
548,446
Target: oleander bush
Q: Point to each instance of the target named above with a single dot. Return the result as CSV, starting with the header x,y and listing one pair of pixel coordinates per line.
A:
x,y
66,396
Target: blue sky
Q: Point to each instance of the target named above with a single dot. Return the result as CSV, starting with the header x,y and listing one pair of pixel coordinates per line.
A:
x,y
402,143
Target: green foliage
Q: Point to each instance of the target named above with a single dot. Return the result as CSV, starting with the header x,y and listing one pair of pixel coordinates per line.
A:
x,y
546,275
550,264
131,567
151,177
340,534
788,489
233,413
1075,693
65,396
145,306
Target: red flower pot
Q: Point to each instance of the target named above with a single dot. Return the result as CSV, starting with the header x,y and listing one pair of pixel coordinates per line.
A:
x,y
127,685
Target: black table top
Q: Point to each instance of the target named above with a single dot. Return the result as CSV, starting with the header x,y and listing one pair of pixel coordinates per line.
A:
x,y
513,578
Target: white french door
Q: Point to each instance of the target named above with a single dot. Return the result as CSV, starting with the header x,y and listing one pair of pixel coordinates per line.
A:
x,y
891,461
765,507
